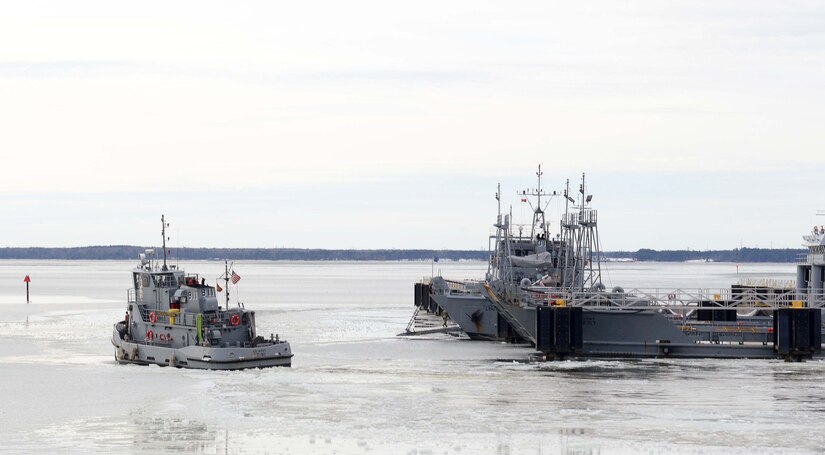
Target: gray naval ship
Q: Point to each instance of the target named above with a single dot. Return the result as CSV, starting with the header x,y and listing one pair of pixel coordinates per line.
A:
x,y
561,306
765,320
173,319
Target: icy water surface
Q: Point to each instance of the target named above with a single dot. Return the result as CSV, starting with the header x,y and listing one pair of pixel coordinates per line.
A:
x,y
355,387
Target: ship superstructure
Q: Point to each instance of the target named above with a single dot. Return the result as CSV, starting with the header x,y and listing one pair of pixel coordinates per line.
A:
x,y
810,269
519,254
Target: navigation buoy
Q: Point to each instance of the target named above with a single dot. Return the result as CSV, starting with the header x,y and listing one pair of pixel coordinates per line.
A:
x,y
27,280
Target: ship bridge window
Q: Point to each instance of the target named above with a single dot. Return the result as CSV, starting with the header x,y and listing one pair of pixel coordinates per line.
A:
x,y
141,280
165,280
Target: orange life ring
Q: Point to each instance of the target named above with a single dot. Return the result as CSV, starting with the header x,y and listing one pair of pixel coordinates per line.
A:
x,y
153,317
235,320
149,335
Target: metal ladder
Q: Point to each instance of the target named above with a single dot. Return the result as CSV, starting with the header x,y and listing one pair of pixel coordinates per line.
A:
x,y
410,326
505,313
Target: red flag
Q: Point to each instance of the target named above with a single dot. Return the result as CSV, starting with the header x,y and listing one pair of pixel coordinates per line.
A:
x,y
218,287
235,278
27,279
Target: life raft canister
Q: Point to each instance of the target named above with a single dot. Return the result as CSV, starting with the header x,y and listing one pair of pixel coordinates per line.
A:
x,y
153,317
235,320
149,335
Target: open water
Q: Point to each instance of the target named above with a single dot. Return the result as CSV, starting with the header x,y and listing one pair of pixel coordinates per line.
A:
x,y
355,387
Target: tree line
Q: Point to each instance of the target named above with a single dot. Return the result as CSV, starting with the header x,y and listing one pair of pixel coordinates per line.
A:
x,y
126,252
735,255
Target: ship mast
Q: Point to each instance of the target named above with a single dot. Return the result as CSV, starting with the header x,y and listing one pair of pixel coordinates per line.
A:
x,y
568,240
163,235
226,280
538,210
588,242
496,254
498,198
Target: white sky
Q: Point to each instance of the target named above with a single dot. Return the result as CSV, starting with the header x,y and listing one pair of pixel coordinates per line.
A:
x,y
387,124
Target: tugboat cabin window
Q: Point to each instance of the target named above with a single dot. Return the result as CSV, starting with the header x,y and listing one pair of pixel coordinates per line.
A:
x,y
141,280
164,280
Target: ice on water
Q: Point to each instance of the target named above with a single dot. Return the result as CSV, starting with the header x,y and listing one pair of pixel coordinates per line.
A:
x,y
357,388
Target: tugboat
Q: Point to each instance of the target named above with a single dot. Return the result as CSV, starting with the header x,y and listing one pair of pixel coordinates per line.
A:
x,y
173,319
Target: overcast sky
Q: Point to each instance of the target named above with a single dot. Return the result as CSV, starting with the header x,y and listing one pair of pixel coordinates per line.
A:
x,y
388,124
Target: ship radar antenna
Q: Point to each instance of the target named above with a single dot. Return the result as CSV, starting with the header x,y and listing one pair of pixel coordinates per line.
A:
x,y
538,210
498,197
164,225
567,197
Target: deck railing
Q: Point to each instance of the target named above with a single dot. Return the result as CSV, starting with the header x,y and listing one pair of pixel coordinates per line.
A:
x,y
186,319
744,299
811,258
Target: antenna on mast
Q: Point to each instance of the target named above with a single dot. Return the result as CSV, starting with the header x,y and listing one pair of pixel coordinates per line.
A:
x,y
226,280
538,211
163,235
498,200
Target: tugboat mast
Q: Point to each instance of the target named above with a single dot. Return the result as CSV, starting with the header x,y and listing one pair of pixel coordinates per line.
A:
x,y
226,280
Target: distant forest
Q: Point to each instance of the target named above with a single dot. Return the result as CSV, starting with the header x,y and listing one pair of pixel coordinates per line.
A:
x,y
736,255
306,254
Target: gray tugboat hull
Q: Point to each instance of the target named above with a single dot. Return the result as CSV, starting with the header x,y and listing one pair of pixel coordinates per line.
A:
x,y
276,354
